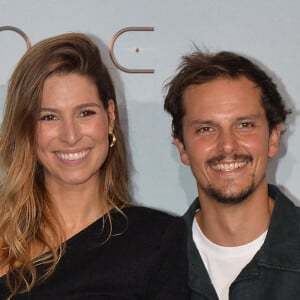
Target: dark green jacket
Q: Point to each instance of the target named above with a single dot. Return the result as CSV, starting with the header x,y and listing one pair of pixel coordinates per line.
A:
x,y
272,274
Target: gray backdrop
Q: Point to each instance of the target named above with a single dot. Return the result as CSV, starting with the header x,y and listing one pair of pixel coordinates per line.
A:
x,y
265,30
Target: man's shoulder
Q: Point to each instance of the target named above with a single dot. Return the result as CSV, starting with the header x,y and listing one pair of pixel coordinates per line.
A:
x,y
190,213
280,196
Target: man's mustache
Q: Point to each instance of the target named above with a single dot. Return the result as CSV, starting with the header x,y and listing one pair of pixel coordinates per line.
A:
x,y
236,156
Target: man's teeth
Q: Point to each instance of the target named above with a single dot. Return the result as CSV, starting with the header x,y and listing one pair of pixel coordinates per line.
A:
x,y
229,167
72,156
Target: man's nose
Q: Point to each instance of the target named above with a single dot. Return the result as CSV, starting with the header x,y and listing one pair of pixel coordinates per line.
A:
x,y
227,141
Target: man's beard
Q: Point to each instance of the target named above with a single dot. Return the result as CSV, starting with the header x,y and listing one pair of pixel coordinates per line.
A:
x,y
229,198
226,196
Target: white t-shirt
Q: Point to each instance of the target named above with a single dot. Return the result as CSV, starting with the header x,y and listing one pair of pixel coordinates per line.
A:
x,y
224,263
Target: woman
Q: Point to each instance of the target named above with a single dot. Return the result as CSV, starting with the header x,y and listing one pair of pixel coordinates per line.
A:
x,y
68,229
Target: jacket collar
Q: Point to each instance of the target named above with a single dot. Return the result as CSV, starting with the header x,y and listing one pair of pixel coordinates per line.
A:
x,y
281,249
199,280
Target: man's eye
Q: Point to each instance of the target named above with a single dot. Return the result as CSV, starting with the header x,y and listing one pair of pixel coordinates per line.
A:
x,y
204,129
246,125
87,112
48,117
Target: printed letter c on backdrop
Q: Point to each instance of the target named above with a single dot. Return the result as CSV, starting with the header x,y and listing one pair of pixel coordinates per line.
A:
x,y
19,31
111,49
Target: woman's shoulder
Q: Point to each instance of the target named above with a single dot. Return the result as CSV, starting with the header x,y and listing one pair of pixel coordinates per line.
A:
x,y
152,220
145,213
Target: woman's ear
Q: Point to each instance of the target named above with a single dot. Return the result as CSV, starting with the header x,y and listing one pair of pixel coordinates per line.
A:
x,y
111,114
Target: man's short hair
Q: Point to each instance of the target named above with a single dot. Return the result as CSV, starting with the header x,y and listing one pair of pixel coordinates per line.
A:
x,y
199,68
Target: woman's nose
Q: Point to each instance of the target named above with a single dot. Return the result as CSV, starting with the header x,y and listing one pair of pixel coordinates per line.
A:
x,y
70,132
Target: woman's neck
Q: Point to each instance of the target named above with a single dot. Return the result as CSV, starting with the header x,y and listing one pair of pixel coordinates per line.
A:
x,y
77,205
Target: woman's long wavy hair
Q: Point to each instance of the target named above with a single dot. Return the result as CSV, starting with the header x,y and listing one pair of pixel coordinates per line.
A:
x,y
27,218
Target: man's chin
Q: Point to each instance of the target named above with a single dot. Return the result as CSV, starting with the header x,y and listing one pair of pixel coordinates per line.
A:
x,y
229,197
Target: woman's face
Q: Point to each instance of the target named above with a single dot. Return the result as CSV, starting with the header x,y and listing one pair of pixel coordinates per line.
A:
x,y
72,130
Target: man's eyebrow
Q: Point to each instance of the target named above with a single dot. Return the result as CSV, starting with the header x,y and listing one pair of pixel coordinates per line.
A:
x,y
199,121
211,122
249,117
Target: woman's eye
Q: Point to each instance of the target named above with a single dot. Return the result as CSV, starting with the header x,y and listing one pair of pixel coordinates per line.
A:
x,y
87,112
48,117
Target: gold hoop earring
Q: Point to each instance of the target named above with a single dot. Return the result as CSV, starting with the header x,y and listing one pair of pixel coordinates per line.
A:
x,y
112,138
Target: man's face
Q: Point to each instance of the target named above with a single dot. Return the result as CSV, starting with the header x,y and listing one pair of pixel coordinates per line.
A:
x,y
227,141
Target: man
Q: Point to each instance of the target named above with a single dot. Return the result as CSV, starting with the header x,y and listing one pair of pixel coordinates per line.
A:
x,y
244,235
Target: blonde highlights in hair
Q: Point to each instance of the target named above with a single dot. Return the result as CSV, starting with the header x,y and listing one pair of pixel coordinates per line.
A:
x,y
28,221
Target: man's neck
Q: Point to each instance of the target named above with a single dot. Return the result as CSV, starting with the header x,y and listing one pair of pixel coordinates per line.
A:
x,y
235,225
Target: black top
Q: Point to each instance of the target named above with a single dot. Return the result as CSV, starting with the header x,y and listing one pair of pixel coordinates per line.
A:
x,y
145,258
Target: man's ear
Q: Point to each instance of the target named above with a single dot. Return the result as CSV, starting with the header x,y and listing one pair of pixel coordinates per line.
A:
x,y
111,114
182,151
274,140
